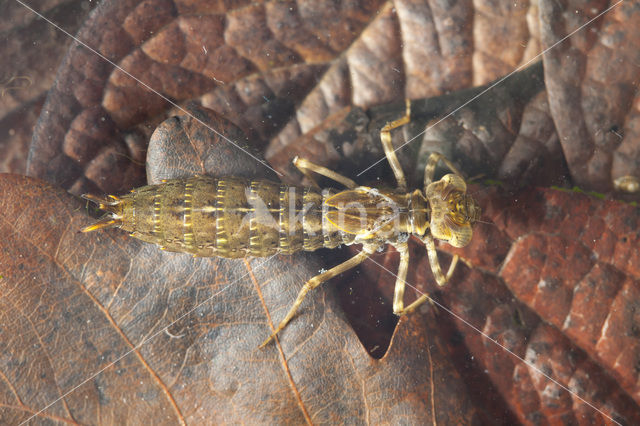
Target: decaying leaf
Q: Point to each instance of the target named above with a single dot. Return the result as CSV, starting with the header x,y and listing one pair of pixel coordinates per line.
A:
x,y
553,277
568,260
31,52
179,335
592,79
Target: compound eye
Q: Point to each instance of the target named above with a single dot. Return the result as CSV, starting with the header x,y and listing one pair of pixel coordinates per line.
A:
x,y
457,218
460,233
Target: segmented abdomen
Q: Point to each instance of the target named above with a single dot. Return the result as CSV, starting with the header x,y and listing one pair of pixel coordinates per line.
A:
x,y
228,217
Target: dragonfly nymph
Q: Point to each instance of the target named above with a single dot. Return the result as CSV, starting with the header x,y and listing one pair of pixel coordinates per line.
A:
x,y
235,217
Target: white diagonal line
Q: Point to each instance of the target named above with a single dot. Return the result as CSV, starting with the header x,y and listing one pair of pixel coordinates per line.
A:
x,y
147,86
509,351
518,69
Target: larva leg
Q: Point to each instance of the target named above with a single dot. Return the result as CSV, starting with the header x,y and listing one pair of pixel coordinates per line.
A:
x,y
437,273
306,166
398,292
435,265
430,168
385,138
315,282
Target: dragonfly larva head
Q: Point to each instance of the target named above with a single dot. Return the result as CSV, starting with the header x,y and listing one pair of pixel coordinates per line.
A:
x,y
464,209
453,211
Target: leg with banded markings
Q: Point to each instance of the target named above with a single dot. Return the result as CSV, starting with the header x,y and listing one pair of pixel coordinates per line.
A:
x,y
305,166
430,168
315,282
441,279
385,138
398,291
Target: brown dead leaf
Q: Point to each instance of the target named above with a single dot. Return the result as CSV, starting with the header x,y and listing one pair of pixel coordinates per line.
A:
x,y
567,259
202,142
242,60
31,52
304,79
592,79
181,333
508,135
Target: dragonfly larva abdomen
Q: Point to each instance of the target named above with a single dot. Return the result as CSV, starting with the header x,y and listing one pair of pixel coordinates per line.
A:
x,y
227,217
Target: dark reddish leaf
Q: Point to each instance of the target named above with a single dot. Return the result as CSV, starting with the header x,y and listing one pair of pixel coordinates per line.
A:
x,y
304,79
182,51
593,87
565,257
16,128
31,51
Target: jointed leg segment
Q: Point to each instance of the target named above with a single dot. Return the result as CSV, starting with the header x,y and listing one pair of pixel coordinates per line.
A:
x,y
385,138
430,168
398,304
305,166
398,296
315,282
435,265
398,291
